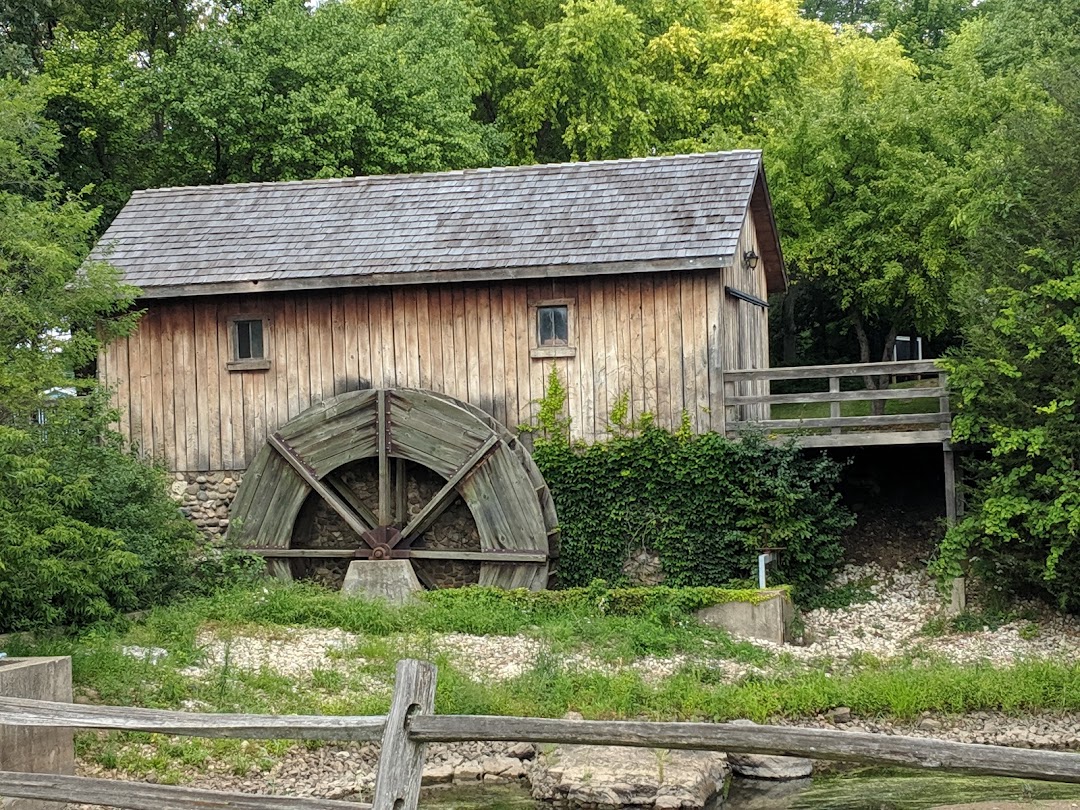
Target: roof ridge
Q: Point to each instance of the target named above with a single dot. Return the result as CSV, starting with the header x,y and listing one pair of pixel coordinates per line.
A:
x,y
582,165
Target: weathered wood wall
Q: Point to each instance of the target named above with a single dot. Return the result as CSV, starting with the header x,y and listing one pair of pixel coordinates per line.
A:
x,y
662,338
746,326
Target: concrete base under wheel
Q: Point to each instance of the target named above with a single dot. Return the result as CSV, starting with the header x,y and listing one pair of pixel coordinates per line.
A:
x,y
29,749
391,580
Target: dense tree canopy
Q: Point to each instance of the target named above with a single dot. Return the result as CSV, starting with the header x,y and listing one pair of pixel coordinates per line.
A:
x,y
51,317
85,528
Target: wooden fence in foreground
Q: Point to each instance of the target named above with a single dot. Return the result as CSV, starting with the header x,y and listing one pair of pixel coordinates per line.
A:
x,y
412,723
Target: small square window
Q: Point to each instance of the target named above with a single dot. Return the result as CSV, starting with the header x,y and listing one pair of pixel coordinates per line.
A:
x,y
552,325
248,343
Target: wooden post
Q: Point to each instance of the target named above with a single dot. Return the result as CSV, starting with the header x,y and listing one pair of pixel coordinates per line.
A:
x,y
943,400
401,760
958,596
386,516
950,484
834,406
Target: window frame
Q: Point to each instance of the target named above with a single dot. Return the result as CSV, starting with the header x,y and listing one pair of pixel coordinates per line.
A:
x,y
536,351
235,363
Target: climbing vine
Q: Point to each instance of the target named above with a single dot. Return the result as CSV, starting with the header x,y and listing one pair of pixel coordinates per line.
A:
x,y
703,504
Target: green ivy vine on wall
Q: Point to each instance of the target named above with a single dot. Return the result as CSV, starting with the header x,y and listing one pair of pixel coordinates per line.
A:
x,y
704,504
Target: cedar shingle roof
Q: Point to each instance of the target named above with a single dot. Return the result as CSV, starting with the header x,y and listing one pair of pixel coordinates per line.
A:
x,y
557,219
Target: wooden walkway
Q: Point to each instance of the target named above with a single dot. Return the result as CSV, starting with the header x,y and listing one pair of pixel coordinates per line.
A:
x,y
751,404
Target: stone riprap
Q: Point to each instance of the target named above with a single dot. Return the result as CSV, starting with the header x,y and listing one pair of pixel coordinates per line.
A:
x,y
205,498
892,624
587,777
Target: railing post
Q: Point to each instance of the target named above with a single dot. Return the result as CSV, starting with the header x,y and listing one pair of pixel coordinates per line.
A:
x,y
834,406
943,400
731,412
401,759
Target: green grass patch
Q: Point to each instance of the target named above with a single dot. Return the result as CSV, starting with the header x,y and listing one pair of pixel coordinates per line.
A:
x,y
357,679
612,624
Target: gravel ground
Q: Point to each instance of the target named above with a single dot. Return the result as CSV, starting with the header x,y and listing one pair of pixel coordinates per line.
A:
x,y
890,625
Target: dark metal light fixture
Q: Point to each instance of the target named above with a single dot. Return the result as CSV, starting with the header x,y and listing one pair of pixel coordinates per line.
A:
x,y
750,260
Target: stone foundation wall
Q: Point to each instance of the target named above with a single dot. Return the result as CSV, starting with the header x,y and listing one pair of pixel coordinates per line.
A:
x,y
204,497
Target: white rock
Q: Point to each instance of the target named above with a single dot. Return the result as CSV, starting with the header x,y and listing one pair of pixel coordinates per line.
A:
x,y
437,775
150,654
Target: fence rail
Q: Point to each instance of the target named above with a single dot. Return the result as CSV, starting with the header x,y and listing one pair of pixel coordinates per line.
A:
x,y
749,403
411,724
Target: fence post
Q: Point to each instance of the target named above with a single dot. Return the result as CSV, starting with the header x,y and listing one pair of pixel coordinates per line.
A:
x,y
401,760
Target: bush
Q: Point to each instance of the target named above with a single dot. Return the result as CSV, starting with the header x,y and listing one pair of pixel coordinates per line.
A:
x,y
1017,383
706,505
86,529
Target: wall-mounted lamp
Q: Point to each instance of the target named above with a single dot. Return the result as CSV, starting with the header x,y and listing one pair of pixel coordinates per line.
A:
x,y
750,260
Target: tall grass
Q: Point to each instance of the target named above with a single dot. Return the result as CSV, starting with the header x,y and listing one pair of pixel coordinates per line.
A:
x,y
359,683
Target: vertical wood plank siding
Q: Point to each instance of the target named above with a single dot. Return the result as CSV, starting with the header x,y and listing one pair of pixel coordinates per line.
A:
x,y
745,326
663,339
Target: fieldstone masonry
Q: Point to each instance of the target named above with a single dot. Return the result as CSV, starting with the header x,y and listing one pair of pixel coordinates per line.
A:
x,y
204,497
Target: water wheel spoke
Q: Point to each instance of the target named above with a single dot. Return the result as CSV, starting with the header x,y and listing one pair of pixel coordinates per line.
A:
x,y
383,439
445,496
332,499
345,491
401,504
494,556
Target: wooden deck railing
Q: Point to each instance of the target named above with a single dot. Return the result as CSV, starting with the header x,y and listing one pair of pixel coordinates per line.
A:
x,y
749,401
412,723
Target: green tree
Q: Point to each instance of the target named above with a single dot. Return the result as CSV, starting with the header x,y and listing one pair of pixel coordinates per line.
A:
x,y
52,316
28,27
610,80
923,27
292,94
99,96
862,195
85,529
1017,377
587,85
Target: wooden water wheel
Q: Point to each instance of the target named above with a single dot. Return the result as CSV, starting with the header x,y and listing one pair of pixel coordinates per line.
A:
x,y
400,434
